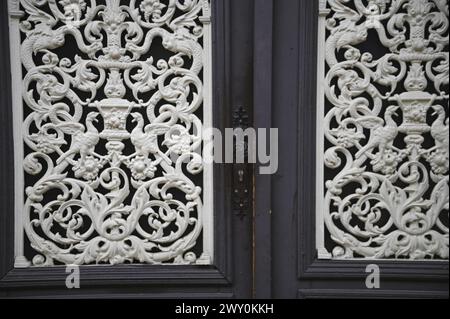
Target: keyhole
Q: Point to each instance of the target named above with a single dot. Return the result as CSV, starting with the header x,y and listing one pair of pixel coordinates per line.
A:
x,y
241,175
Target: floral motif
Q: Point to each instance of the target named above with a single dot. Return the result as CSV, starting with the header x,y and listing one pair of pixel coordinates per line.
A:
x,y
439,161
180,144
142,168
415,113
387,163
87,169
152,8
116,120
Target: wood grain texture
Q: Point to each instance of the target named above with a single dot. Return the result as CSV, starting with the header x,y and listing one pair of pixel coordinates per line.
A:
x,y
262,64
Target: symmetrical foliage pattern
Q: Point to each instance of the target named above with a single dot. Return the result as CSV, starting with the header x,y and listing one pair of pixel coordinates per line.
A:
x,y
386,129
113,96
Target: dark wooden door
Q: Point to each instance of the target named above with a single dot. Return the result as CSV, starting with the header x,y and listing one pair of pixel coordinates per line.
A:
x,y
265,76
288,216
231,275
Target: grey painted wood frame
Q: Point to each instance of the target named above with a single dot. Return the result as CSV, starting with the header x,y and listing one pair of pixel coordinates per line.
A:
x,y
263,113
230,277
297,272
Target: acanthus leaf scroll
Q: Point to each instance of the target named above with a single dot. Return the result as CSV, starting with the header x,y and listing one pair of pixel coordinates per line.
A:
x,y
103,125
386,129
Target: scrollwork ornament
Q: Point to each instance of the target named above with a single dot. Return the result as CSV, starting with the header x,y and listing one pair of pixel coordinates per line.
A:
x,y
108,131
387,129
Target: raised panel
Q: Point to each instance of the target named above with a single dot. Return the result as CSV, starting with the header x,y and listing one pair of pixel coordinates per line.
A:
x,y
383,139
228,276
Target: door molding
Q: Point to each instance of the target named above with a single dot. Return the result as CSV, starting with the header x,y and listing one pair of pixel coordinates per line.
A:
x,y
309,265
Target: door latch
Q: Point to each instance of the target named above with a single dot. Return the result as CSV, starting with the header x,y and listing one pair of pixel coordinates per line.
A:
x,y
242,172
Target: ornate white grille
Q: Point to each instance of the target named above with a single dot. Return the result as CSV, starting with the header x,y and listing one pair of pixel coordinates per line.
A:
x,y
111,98
383,129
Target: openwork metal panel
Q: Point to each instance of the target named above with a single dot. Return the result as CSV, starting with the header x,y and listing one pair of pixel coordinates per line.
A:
x,y
111,99
383,129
